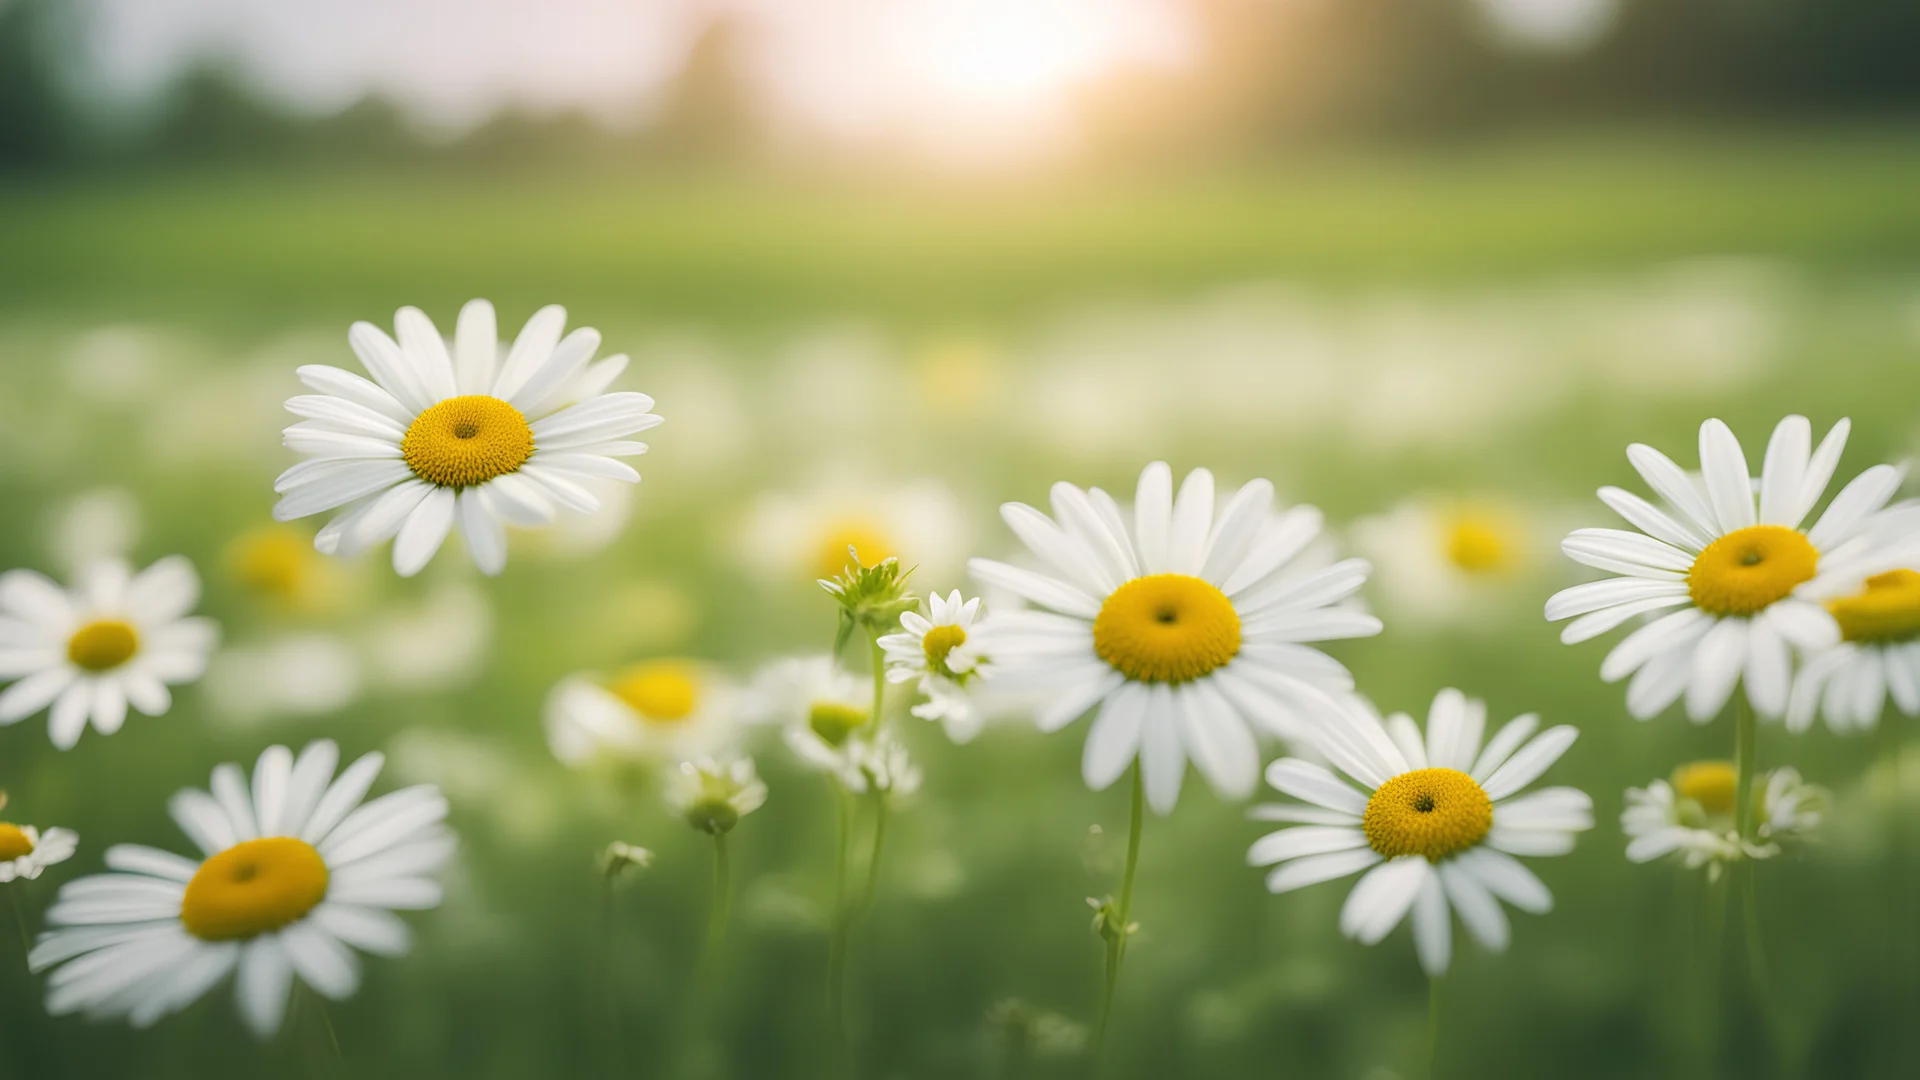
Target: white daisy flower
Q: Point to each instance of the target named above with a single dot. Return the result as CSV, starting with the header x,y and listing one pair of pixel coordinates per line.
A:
x,y
1439,823
1878,658
441,438
1692,815
1438,560
1747,581
880,764
297,873
934,652
664,711
118,639
1185,629
821,709
26,851
713,796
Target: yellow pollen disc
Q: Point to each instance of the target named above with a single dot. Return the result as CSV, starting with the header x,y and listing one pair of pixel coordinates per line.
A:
x,y
272,560
1431,812
103,645
1745,571
14,842
468,440
1166,628
661,691
833,721
1481,543
1887,610
868,540
1712,784
252,888
939,643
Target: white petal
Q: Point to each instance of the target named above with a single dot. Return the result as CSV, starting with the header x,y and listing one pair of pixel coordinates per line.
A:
x,y
1625,552
1593,625
1432,927
1673,631
1653,521
1825,459
423,532
1276,847
1599,595
569,358
1768,669
1038,588
1527,763
1315,784
1114,740
1505,878
1192,521
485,536
1478,909
354,388
324,963
271,774
1672,484
1785,472
263,984
1723,466
388,366
1717,662
345,793
1864,496
1162,762
1217,740
476,348
33,693
530,350
1380,899
423,346
1153,516
1314,869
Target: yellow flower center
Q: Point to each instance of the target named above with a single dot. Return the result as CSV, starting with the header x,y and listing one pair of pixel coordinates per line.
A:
x,y
464,441
252,888
1745,571
870,543
1166,628
1887,610
1482,543
272,560
939,644
103,644
1712,784
1431,812
834,721
14,842
661,691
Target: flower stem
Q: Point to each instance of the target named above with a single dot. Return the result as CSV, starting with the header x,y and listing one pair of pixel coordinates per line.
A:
x,y
873,862
1744,734
722,896
837,947
1117,942
19,920
1433,1027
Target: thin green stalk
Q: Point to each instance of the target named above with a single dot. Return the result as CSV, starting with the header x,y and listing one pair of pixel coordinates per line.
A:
x,y
879,684
722,896
326,1021
879,840
837,947
1744,736
1117,942
1433,1027
19,920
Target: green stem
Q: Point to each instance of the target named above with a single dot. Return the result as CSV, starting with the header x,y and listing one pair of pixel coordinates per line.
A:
x,y
879,683
1433,1027
1744,737
879,840
1117,943
19,920
722,896
837,947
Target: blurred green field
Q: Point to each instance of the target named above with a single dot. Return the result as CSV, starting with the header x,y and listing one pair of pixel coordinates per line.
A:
x,y
1565,299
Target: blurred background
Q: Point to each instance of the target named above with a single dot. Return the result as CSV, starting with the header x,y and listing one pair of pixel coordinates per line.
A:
x,y
885,264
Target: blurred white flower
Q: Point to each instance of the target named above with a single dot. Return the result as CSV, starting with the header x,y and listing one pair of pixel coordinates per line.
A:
x,y
1549,26
712,796
26,851
115,640
820,708
1436,828
804,535
442,438
1693,815
1878,658
118,365
438,644
663,711
880,764
1441,561
298,675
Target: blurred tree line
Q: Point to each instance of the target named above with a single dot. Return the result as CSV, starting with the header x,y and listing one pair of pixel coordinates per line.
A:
x,y
1275,74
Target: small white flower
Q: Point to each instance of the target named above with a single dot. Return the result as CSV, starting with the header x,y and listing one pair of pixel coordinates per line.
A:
x,y
936,652
442,438
297,873
1184,630
713,796
662,711
1441,561
1436,829
1748,582
116,640
26,851
821,709
1692,815
880,764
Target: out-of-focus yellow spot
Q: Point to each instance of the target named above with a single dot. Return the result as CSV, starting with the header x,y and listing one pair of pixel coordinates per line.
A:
x,y
865,537
959,376
14,842
1888,609
103,645
939,643
833,721
660,691
252,888
1483,542
1712,784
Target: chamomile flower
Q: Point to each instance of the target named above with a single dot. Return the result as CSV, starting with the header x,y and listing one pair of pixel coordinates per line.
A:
x,y
880,764
1439,560
665,711
1436,828
278,564
934,652
1878,657
297,873
713,796
1747,581
118,639
439,439
1186,630
821,709
1692,815
26,851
